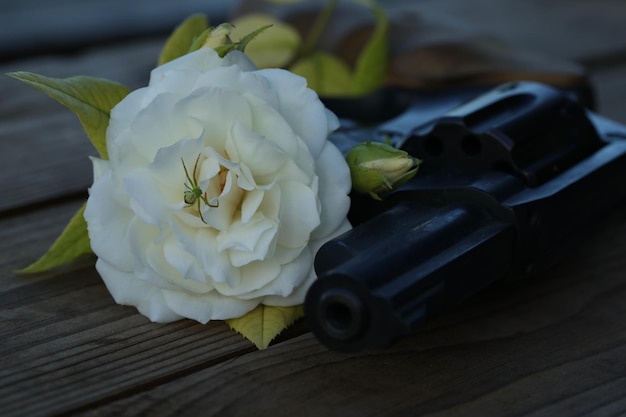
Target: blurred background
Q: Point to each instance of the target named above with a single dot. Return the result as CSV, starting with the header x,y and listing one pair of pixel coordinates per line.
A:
x,y
545,25
591,33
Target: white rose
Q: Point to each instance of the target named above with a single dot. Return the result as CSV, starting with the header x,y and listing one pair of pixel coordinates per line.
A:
x,y
270,188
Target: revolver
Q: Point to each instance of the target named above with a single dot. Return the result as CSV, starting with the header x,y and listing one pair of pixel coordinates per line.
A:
x,y
508,179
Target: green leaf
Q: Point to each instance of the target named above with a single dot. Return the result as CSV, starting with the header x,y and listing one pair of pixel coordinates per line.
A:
x,y
219,39
264,323
72,243
222,50
199,40
183,37
276,48
325,73
91,99
241,45
371,66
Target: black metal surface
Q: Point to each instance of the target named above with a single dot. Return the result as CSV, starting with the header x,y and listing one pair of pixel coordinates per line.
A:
x,y
482,210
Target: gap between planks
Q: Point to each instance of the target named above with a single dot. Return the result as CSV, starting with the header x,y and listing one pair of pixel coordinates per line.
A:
x,y
117,360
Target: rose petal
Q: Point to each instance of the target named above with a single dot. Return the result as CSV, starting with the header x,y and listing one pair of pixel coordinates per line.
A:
x,y
316,244
126,289
216,264
151,261
250,204
255,276
141,237
248,242
296,296
226,108
284,255
206,307
100,167
270,205
184,262
302,108
122,157
291,276
272,125
155,122
107,222
239,59
261,156
334,189
122,114
160,187
202,60
229,201
299,215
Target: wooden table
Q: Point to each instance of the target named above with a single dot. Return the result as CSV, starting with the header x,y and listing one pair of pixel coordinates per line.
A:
x,y
554,345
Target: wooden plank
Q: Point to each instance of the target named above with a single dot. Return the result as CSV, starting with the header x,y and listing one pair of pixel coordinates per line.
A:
x,y
577,30
40,26
41,165
508,344
65,344
610,84
43,149
546,346
25,237
539,347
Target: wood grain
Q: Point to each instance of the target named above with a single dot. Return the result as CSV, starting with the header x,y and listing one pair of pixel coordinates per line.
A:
x,y
552,345
67,344
43,148
506,344
610,85
40,26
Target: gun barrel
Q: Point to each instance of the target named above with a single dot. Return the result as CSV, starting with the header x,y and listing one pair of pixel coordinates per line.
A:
x,y
373,291
542,172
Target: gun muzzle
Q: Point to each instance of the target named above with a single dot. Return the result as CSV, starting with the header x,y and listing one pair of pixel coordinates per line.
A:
x,y
422,260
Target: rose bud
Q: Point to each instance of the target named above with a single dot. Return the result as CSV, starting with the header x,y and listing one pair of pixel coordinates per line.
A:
x,y
218,36
377,168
